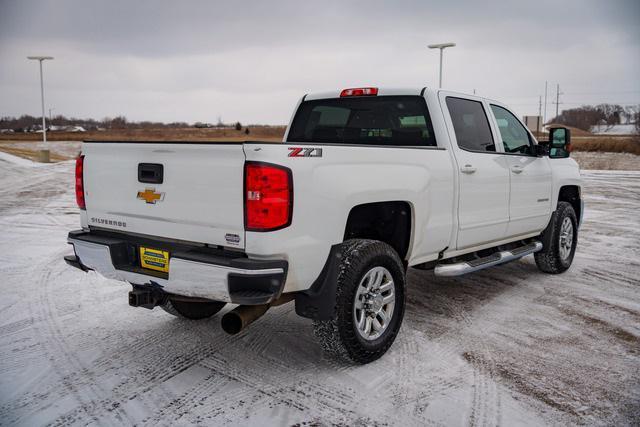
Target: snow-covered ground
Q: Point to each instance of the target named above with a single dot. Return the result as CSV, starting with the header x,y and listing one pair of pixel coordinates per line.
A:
x,y
505,346
596,160
628,129
63,149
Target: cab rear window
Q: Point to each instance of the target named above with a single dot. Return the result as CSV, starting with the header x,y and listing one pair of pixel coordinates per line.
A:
x,y
367,120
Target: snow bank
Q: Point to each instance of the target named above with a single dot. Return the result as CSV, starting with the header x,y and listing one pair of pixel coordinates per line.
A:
x,y
614,130
18,160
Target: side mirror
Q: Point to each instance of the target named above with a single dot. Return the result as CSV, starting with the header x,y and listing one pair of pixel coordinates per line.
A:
x,y
559,142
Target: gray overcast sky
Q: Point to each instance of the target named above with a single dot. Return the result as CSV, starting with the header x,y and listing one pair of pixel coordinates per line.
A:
x,y
252,60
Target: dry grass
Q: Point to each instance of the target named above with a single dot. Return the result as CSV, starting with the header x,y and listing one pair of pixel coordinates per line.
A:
x,y
31,154
266,133
610,144
592,143
606,161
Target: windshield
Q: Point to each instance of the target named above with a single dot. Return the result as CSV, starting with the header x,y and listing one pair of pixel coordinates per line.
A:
x,y
372,120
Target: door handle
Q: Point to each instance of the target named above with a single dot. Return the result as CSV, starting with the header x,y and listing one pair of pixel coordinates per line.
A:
x,y
467,169
516,169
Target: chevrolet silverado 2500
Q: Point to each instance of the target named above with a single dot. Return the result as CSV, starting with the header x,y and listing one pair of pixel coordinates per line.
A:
x,y
366,183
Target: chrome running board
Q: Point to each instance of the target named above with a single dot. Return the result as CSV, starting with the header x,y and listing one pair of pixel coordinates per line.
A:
x,y
464,267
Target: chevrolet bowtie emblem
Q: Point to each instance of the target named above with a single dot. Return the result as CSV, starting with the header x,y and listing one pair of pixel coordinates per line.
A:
x,y
150,196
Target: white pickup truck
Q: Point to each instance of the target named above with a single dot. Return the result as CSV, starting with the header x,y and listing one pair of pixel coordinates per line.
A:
x,y
366,183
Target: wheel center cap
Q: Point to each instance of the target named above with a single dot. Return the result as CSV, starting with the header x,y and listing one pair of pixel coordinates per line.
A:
x,y
376,303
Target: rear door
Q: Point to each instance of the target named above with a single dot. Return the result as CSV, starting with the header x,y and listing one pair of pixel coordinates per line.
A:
x,y
197,198
530,176
483,174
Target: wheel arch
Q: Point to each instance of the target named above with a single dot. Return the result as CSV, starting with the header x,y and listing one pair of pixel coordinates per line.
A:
x,y
388,221
572,195
318,302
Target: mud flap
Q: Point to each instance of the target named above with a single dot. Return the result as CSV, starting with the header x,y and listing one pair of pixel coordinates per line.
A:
x,y
547,235
319,301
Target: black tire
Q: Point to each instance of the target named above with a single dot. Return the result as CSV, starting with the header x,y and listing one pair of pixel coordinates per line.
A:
x,y
550,259
339,336
193,310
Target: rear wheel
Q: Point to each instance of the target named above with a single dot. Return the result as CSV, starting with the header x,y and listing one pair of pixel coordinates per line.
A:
x,y
370,299
194,310
560,239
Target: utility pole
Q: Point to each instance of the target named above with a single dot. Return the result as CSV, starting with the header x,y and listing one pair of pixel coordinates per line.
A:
x,y
44,153
544,117
441,46
539,114
558,93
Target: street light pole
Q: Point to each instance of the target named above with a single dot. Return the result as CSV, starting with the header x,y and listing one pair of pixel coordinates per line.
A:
x,y
44,119
441,46
440,74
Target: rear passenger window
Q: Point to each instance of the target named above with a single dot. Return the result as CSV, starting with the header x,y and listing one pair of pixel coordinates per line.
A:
x,y
471,125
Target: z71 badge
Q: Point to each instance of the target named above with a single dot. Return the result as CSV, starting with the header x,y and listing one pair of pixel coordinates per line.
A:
x,y
305,152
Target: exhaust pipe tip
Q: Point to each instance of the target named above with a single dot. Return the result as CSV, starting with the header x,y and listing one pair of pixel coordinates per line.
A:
x,y
231,323
242,316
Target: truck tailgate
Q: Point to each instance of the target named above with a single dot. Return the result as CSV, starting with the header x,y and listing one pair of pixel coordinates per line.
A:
x,y
199,198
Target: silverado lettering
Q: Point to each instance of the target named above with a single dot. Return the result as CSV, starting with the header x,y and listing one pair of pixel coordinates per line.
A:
x,y
108,222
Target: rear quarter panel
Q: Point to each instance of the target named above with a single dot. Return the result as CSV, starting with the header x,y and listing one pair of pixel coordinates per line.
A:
x,y
327,188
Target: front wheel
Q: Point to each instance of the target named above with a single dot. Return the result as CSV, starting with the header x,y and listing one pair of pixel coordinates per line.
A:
x,y
370,301
560,240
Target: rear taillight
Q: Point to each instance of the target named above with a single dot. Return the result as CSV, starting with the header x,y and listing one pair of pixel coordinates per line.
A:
x,y
268,196
359,91
80,182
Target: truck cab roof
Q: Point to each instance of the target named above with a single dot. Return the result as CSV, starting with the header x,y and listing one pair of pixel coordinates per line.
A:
x,y
382,91
395,91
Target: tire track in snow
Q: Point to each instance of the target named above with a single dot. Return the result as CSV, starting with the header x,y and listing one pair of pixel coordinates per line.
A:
x,y
40,316
287,366
86,388
485,404
435,383
156,361
183,405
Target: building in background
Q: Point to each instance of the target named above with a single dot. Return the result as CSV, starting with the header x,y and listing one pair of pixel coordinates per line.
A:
x,y
534,123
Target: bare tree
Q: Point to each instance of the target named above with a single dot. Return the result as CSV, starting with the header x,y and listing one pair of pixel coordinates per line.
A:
x,y
588,116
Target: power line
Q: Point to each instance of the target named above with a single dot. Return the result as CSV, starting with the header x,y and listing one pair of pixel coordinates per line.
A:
x,y
573,93
574,103
602,93
577,103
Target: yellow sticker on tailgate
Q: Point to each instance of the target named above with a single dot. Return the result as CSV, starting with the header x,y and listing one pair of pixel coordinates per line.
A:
x,y
154,259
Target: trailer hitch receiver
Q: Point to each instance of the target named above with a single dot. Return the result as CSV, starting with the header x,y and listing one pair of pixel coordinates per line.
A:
x,y
146,298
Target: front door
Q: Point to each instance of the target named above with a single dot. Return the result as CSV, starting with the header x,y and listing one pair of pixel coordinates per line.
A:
x,y
483,204
530,176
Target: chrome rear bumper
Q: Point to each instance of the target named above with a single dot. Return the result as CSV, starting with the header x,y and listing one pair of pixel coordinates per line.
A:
x,y
235,280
